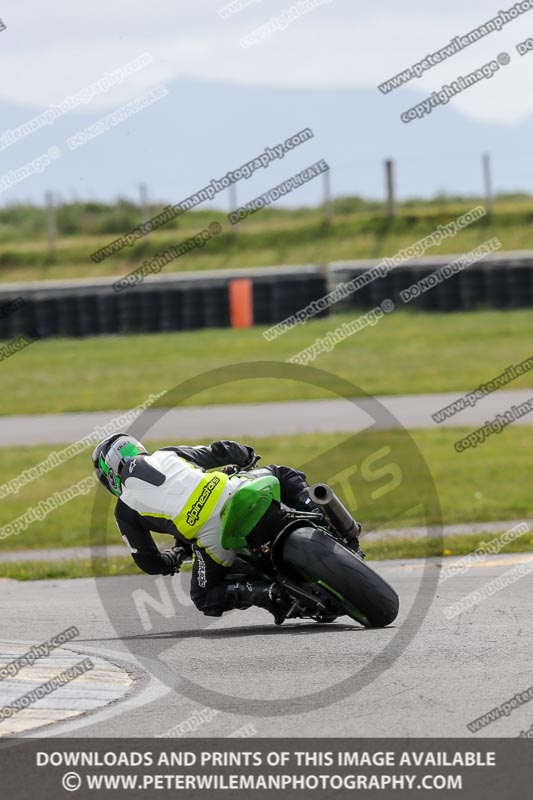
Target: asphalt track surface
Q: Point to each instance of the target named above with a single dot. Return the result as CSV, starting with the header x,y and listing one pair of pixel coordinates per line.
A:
x,y
441,674
266,419
426,675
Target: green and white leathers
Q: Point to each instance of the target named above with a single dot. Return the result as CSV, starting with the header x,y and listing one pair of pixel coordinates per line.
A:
x,y
170,492
191,498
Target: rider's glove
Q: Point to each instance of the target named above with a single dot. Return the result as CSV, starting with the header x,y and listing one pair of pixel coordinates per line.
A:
x,y
174,558
230,469
252,459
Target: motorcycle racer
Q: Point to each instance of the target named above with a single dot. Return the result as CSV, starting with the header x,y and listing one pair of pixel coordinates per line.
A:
x,y
170,491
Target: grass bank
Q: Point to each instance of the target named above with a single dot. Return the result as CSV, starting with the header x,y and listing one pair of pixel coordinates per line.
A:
x,y
406,352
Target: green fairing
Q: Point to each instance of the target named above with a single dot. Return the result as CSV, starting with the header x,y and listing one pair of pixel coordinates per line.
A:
x,y
244,510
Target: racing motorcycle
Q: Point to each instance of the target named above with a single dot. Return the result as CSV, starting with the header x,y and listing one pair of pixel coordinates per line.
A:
x,y
315,555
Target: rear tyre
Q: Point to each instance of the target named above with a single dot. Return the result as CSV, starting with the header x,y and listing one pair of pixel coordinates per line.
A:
x,y
363,594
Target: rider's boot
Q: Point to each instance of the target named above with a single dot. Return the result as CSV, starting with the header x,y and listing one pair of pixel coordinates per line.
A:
x,y
304,503
271,596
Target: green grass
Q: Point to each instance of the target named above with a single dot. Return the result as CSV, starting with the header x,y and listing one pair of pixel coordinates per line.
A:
x,y
268,238
81,568
452,547
375,551
492,482
406,352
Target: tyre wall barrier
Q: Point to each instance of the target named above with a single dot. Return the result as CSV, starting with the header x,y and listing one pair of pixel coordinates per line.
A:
x,y
493,284
179,303
154,306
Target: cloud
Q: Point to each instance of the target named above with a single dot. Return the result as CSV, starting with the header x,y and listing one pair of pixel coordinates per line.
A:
x,y
338,44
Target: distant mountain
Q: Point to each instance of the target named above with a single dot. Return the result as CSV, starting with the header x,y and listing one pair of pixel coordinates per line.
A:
x,y
200,130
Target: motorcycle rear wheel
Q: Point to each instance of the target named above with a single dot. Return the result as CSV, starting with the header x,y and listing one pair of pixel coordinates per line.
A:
x,y
363,595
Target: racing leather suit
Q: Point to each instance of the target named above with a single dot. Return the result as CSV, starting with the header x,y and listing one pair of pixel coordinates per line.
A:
x,y
170,492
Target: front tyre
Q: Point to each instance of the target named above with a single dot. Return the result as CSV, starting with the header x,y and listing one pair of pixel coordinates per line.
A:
x,y
319,558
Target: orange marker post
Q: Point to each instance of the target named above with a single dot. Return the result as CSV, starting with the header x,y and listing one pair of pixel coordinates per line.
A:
x,y
241,303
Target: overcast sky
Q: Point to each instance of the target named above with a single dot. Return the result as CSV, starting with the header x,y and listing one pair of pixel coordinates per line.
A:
x,y
54,48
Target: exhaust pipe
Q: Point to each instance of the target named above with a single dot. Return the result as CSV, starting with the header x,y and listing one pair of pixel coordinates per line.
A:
x,y
322,495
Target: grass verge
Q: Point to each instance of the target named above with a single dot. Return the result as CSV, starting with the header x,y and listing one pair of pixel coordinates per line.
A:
x,y
271,237
489,483
375,551
406,352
